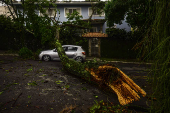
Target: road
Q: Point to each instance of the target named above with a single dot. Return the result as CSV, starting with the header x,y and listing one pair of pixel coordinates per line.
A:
x,y
39,86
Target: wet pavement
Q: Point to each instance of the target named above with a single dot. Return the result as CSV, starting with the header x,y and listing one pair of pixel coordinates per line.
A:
x,y
37,86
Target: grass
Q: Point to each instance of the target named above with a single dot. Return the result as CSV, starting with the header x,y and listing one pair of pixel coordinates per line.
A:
x,y
105,107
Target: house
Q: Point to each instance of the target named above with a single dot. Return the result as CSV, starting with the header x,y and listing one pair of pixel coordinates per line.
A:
x,y
98,23
4,10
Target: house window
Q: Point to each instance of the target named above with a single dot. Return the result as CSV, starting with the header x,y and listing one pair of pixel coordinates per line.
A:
x,y
71,10
50,12
95,13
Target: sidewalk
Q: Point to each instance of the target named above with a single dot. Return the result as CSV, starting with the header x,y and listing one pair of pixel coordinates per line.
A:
x,y
2,52
91,58
8,54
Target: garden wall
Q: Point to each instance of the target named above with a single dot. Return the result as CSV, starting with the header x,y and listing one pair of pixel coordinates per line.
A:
x,y
118,48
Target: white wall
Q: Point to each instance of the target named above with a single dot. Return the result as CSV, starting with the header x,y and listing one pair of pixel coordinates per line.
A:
x,y
0,3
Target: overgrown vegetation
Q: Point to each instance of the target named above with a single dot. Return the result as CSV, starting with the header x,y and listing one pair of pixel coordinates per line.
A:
x,y
27,29
25,53
102,107
71,31
155,45
151,19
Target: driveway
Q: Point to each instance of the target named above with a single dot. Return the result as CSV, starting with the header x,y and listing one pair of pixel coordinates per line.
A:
x,y
30,86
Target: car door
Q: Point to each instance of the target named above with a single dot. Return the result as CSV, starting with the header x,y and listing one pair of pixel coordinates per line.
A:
x,y
55,55
70,52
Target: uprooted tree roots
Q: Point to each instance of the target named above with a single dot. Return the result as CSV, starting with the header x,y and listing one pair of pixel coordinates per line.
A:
x,y
125,88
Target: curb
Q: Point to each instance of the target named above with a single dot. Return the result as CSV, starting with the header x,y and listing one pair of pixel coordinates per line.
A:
x,y
124,62
9,55
131,62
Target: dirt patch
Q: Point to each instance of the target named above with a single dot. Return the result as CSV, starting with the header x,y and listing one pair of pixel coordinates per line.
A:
x,y
38,86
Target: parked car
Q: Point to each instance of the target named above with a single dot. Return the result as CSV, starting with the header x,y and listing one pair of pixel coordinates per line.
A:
x,y
72,51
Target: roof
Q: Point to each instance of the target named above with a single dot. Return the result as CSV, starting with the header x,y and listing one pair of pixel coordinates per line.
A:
x,y
64,2
94,34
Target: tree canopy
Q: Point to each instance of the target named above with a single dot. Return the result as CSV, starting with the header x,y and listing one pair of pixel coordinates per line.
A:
x,y
136,12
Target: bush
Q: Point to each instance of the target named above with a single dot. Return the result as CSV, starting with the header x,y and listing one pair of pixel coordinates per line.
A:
x,y
36,54
25,53
116,33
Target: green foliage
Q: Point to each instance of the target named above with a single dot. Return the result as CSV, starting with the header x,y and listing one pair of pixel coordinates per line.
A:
x,y
30,69
116,33
25,53
103,107
84,88
70,32
113,13
98,8
118,48
9,34
36,54
155,46
29,96
40,26
66,86
28,29
75,19
1,92
33,83
137,12
58,82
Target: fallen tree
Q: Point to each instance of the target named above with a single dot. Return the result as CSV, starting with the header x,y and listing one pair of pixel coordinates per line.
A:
x,y
103,74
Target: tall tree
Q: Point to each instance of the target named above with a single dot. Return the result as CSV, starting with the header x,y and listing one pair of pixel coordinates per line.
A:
x,y
152,17
155,46
136,12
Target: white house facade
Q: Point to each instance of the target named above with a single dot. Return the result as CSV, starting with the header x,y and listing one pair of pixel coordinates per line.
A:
x,y
99,23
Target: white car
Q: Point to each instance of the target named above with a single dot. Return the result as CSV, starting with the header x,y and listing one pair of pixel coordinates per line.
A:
x,y
72,51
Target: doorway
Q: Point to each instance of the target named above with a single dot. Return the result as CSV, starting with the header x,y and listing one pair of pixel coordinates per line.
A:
x,y
95,47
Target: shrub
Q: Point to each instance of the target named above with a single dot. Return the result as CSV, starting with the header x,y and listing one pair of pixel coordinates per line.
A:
x,y
25,53
35,54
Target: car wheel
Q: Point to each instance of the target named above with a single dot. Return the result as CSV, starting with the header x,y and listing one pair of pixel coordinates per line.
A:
x,y
79,59
46,58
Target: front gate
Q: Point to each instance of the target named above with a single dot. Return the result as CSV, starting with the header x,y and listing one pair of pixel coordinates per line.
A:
x,y
95,47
